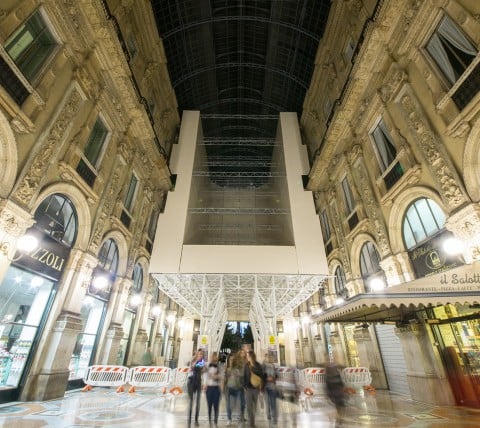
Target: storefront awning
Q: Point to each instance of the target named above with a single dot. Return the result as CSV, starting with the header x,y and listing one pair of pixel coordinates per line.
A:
x,y
460,286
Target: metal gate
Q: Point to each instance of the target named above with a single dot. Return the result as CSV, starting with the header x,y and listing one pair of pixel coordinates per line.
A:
x,y
393,359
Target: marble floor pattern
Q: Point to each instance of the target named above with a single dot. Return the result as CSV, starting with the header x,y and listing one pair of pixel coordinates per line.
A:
x,y
103,407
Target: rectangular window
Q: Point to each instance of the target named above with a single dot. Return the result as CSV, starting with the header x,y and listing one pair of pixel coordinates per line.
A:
x,y
95,142
384,147
325,226
348,196
349,50
152,226
131,193
31,45
451,50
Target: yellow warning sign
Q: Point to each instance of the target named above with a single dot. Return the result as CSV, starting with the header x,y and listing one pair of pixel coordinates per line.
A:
x,y
271,340
204,340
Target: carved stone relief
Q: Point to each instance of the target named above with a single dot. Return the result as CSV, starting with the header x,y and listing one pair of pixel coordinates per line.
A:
x,y
32,180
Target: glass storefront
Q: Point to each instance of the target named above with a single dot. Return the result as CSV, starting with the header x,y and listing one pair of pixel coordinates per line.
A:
x,y
24,298
91,315
458,333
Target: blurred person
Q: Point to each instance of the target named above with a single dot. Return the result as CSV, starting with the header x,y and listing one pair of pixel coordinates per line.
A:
x,y
253,383
242,353
335,388
233,385
212,383
194,384
289,390
147,357
270,378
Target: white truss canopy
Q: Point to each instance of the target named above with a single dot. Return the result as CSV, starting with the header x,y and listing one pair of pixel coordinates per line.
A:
x,y
239,293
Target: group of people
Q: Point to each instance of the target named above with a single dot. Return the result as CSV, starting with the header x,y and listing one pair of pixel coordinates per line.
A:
x,y
242,381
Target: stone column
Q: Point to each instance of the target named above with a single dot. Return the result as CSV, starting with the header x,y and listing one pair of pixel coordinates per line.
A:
x,y
139,341
319,344
14,221
425,375
49,375
111,339
186,343
338,350
370,357
397,268
465,225
290,336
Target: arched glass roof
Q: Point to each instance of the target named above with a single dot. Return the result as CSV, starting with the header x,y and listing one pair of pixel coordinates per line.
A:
x,y
240,62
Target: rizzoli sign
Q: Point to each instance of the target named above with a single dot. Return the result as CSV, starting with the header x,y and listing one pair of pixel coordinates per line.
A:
x,y
48,259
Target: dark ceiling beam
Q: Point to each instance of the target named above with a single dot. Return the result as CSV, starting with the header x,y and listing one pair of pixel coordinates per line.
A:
x,y
189,25
274,107
237,65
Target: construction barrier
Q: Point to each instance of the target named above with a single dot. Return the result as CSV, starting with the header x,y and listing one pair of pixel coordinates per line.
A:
x,y
356,377
149,376
102,375
179,379
312,380
287,381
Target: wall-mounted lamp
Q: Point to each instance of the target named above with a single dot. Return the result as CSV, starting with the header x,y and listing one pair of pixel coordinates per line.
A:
x,y
376,284
156,310
25,245
136,299
453,246
100,282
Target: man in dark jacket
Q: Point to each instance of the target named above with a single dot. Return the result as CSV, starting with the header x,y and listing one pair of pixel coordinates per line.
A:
x,y
253,383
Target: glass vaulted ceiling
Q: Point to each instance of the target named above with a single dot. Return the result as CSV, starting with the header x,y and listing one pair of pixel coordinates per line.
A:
x,y
240,63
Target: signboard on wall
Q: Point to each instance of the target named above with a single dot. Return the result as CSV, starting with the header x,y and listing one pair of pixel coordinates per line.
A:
x,y
48,259
431,258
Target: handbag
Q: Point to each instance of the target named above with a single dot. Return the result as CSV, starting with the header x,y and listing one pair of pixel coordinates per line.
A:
x,y
255,380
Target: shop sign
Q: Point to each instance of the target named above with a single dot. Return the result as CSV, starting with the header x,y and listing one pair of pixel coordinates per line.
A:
x,y
48,259
430,258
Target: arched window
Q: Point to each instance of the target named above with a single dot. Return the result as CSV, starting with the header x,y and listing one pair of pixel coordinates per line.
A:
x,y
56,216
105,273
340,281
423,219
137,278
370,268
108,256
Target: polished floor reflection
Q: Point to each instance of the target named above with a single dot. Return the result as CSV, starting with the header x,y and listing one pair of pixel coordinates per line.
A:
x,y
105,408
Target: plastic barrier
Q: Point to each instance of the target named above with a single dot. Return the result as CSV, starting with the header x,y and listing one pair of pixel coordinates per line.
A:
x,y
148,376
101,375
356,377
312,380
288,382
179,379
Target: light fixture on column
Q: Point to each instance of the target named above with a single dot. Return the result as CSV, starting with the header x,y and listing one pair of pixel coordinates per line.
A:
x,y
156,310
26,244
135,300
100,282
376,284
453,246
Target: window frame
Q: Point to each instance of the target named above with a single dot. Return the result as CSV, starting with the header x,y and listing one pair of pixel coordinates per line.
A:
x,y
39,70
131,194
437,66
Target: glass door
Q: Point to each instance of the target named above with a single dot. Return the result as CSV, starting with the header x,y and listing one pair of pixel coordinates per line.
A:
x,y
461,352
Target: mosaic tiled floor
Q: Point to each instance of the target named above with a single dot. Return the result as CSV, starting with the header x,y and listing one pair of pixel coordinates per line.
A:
x,y
105,408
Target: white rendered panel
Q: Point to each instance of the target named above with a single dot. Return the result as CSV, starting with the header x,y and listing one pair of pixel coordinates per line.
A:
x,y
167,248
306,224
238,259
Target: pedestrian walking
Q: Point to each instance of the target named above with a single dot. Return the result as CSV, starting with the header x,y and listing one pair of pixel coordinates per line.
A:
x,y
194,385
253,382
212,383
270,391
234,386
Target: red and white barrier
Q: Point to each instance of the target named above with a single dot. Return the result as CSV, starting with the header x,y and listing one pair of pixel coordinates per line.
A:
x,y
149,376
312,380
103,375
180,377
356,377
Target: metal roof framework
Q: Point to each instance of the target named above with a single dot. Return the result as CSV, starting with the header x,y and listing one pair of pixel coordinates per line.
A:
x,y
217,298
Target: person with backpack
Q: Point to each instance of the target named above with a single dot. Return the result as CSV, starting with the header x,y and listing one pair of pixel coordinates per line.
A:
x,y
233,385
253,384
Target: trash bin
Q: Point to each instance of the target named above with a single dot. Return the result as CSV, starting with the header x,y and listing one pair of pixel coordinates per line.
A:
x,y
172,364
